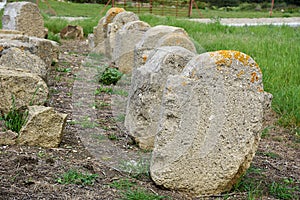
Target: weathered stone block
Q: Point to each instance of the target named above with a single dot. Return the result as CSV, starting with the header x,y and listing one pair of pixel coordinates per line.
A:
x,y
25,17
26,88
118,22
150,40
126,39
72,32
210,124
147,85
47,50
44,127
17,58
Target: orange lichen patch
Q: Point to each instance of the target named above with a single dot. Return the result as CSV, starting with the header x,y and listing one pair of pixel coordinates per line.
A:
x,y
219,68
240,73
1,48
183,83
243,58
144,58
222,57
193,73
110,15
259,89
254,77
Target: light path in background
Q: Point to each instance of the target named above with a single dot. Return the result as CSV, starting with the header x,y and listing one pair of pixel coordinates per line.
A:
x,y
290,21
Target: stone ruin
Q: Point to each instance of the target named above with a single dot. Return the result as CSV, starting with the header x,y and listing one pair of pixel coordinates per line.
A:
x,y
201,114
25,17
25,61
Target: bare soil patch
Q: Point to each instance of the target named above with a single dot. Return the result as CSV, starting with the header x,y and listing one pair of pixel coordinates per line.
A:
x,y
33,172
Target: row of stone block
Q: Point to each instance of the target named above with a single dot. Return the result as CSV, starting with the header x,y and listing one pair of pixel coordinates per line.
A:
x,y
200,114
25,61
121,36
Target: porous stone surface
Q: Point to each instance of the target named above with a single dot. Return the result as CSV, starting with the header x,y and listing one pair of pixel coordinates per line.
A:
x,y
126,39
26,89
47,50
98,32
8,137
17,58
118,22
177,39
149,42
147,85
72,32
43,128
25,17
101,32
210,124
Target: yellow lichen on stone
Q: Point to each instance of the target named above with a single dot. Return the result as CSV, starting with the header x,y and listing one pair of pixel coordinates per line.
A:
x,y
254,77
259,89
110,15
222,57
183,83
243,58
145,57
240,73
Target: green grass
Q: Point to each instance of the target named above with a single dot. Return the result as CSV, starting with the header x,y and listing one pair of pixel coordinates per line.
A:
x,y
273,48
284,189
137,169
15,118
76,177
141,194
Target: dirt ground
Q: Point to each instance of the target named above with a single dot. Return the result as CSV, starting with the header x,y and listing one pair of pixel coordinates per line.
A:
x,y
34,172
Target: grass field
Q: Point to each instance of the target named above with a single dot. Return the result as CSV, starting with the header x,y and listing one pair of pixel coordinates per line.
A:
x,y
275,49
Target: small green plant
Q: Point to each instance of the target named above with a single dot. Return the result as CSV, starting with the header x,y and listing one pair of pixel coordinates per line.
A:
x,y
136,169
99,137
112,137
110,76
110,91
53,37
78,178
15,118
284,189
60,69
123,184
141,194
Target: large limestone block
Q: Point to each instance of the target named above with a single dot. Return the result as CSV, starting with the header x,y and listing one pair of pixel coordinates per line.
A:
x,y
17,58
43,128
210,124
47,50
118,22
147,85
126,39
149,42
25,17
26,88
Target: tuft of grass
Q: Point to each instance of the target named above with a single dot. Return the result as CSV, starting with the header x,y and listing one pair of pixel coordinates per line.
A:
x,y
53,37
78,178
141,194
284,189
109,90
122,184
113,137
15,118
